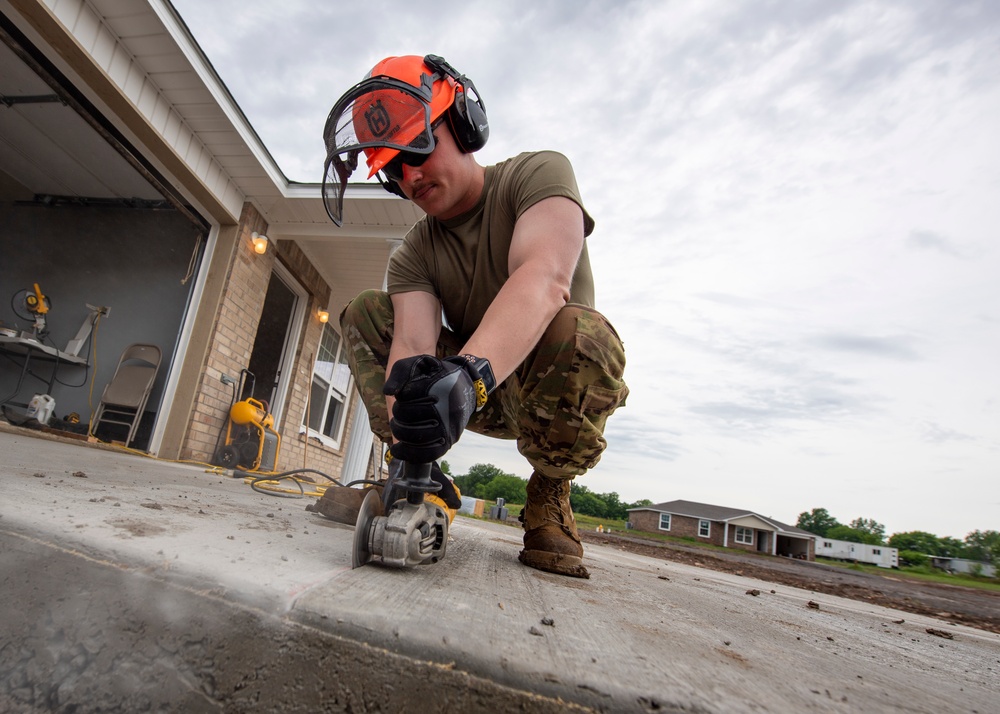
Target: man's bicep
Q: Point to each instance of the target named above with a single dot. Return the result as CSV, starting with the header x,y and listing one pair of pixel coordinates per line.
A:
x,y
416,322
551,231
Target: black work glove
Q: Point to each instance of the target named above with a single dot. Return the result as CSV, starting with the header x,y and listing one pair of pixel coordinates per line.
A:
x,y
434,400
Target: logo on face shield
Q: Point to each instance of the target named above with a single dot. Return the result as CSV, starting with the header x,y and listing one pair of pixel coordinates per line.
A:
x,y
377,118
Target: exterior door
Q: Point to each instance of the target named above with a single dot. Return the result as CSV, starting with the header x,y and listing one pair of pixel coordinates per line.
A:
x,y
273,348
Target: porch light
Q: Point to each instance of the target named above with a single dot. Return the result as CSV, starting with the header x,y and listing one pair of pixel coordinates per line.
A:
x,y
259,243
323,315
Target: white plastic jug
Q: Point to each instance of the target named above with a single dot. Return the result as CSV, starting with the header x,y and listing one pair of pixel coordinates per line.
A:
x,y
41,407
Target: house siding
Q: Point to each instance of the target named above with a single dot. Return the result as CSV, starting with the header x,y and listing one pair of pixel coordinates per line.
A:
x,y
680,526
646,521
687,527
296,451
232,342
750,547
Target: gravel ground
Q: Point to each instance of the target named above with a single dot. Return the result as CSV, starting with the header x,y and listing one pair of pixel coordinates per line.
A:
x,y
962,605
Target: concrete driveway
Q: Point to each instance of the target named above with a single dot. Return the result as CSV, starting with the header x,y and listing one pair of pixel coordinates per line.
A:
x,y
140,585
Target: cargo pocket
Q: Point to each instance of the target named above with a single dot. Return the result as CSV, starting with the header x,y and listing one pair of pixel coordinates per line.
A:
x,y
601,369
598,404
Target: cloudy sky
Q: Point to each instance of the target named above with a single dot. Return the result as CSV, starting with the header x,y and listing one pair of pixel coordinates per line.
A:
x,y
795,235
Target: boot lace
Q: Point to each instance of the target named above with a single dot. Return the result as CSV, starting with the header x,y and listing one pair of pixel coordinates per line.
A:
x,y
549,500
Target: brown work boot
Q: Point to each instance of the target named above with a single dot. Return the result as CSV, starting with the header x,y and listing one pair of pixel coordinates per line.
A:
x,y
551,542
341,504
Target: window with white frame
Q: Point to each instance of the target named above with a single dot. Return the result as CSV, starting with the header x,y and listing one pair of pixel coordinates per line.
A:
x,y
744,535
704,528
664,521
331,385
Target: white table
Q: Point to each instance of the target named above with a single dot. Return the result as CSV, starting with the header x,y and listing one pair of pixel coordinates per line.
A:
x,y
21,351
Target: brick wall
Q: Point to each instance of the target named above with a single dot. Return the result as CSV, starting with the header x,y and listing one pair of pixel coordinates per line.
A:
x,y
645,521
231,340
687,527
296,453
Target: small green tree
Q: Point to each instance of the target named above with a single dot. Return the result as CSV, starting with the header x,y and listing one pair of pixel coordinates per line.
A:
x,y
614,508
479,475
817,521
919,541
581,500
589,504
512,489
983,545
873,530
949,547
913,558
842,532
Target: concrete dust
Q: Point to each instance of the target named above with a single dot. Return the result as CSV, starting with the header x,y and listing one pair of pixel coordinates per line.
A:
x,y
87,638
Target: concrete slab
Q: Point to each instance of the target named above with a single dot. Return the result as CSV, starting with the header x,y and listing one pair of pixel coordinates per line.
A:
x,y
142,584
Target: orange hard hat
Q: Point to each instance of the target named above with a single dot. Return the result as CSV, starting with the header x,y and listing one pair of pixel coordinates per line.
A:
x,y
387,115
392,110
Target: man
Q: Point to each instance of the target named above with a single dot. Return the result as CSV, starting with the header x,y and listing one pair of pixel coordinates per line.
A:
x,y
501,251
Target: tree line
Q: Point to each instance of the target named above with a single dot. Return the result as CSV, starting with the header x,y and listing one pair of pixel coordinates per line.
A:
x,y
488,482
978,545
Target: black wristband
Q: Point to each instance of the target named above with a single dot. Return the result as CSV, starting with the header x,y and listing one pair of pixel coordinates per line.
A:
x,y
486,383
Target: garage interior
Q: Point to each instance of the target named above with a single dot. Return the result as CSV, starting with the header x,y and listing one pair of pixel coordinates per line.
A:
x,y
93,227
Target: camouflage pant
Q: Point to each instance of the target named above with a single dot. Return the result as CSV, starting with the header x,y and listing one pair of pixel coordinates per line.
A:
x,y
555,404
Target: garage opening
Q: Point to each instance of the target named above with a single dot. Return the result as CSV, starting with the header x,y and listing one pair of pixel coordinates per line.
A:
x,y
94,226
793,547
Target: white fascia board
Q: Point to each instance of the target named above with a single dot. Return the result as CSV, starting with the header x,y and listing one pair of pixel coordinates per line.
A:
x,y
354,192
215,86
330,232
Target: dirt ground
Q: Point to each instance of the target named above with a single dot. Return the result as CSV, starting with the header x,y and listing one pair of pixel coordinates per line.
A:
x,y
962,605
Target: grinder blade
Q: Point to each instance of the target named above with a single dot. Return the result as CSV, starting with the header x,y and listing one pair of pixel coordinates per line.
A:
x,y
371,508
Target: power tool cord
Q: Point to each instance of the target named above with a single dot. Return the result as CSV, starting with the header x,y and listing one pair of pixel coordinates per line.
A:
x,y
291,475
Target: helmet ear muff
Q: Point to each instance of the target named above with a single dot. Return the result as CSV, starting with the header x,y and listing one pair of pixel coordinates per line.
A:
x,y
467,114
468,122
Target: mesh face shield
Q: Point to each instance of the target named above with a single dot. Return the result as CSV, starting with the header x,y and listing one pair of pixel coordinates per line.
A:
x,y
380,116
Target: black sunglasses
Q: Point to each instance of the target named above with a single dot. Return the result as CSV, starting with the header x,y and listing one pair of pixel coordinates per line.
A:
x,y
394,169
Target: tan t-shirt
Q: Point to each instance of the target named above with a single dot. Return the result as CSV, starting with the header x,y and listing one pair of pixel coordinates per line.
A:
x,y
463,261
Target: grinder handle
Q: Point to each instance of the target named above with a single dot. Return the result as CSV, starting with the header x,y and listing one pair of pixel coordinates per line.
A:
x,y
417,481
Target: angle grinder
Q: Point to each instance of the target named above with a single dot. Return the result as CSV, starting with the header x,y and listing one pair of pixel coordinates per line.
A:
x,y
405,531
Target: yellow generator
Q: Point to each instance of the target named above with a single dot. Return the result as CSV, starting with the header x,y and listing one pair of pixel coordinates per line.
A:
x,y
251,443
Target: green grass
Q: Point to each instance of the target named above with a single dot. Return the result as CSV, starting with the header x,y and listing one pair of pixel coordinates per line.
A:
x,y
922,573
583,522
590,523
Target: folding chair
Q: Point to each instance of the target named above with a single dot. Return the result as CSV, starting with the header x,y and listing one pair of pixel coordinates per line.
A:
x,y
124,399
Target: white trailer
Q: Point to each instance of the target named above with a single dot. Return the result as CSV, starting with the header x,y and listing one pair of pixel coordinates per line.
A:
x,y
967,567
881,555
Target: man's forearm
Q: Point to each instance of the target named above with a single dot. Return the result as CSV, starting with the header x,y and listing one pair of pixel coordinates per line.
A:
x,y
417,326
516,320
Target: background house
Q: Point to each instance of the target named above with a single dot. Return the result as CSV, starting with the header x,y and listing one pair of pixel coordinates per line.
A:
x,y
129,178
727,527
